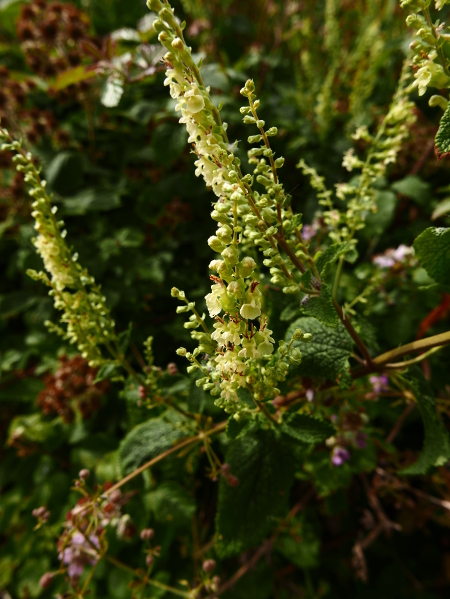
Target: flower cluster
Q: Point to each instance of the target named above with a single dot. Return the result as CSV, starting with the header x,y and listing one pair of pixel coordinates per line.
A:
x,y
75,293
382,150
82,542
72,389
393,257
349,425
429,61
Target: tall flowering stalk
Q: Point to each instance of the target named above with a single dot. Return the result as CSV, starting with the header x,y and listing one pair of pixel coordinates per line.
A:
x,y
241,338
75,293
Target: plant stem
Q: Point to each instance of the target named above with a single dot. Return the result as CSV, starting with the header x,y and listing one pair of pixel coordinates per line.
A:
x,y
421,344
150,463
353,334
155,583
440,53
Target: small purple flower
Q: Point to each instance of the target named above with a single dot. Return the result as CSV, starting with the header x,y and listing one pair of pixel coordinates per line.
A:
x,y
379,383
309,394
384,261
308,232
339,455
361,440
402,252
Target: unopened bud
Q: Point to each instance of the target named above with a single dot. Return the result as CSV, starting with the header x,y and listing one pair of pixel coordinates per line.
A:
x,y
84,474
209,565
149,560
115,496
233,481
172,369
142,392
147,534
46,580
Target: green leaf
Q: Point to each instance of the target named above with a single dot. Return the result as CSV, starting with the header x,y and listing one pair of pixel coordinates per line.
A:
x,y
245,397
327,355
123,339
64,174
72,76
170,502
150,439
235,427
290,312
112,91
322,308
436,445
330,255
326,477
248,512
106,372
413,187
16,302
307,429
300,544
377,223
442,209
296,221
432,249
92,199
442,139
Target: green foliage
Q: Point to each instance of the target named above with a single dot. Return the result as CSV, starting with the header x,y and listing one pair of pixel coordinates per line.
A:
x,y
295,450
327,356
307,429
248,512
322,308
436,445
432,249
442,139
149,439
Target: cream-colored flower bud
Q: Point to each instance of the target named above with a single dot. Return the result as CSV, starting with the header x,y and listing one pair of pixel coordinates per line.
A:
x,y
231,255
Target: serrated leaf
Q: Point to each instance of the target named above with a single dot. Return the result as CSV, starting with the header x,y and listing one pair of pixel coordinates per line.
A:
x,y
330,255
432,250
245,397
327,355
322,308
150,439
442,139
248,512
235,427
436,445
296,220
307,429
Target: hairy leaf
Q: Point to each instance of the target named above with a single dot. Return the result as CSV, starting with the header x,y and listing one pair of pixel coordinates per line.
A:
x,y
148,440
432,249
322,308
436,445
328,353
307,429
442,139
246,513
330,255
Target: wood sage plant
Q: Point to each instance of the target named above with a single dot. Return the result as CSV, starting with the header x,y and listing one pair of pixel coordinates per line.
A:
x,y
271,411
